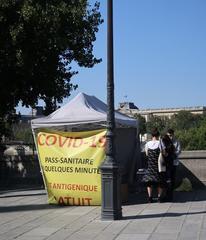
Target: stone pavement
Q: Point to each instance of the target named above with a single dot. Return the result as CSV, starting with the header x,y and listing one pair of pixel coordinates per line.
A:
x,y
25,215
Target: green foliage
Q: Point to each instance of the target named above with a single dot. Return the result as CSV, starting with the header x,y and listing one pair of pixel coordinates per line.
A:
x,y
155,122
39,41
22,132
185,120
5,124
193,138
190,129
142,123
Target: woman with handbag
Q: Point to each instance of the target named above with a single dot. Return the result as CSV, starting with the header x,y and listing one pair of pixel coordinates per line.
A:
x,y
169,160
155,175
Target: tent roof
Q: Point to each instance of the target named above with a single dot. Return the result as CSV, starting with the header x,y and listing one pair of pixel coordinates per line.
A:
x,y
82,109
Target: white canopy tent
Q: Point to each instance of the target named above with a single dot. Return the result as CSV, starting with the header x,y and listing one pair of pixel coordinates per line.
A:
x,y
82,110
85,112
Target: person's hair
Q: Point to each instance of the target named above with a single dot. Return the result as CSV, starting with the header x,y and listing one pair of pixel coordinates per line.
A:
x,y
166,140
170,131
169,147
155,133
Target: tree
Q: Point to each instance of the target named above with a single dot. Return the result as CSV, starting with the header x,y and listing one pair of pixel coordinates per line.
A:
x,y
193,138
39,41
155,122
142,123
190,129
22,132
185,120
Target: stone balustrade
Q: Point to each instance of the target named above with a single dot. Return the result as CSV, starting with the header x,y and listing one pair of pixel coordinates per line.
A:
x,y
23,169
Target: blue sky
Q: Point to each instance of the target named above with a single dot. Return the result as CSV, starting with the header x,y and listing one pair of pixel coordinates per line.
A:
x,y
159,54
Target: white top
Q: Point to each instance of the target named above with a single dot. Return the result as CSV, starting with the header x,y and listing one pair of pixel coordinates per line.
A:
x,y
154,144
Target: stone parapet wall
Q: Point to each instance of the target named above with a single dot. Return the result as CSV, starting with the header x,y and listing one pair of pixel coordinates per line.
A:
x,y
193,166
19,171
23,170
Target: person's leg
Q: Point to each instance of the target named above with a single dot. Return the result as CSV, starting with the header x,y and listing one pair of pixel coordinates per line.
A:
x,y
149,191
168,184
162,186
172,184
160,193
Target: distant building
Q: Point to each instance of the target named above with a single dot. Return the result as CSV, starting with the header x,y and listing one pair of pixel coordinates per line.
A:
x,y
128,108
127,105
161,112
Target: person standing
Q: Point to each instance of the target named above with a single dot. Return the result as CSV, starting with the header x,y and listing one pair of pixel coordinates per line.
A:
x,y
169,161
173,168
154,178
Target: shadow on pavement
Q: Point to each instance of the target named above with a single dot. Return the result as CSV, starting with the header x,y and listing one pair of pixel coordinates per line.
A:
x,y
22,195
20,189
160,215
30,207
181,197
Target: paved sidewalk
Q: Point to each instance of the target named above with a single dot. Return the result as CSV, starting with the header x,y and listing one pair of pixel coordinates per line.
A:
x,y
25,215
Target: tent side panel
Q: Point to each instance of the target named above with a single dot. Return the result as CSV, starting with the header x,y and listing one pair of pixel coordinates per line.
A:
x,y
126,148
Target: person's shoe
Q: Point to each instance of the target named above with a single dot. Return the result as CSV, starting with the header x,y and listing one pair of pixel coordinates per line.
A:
x,y
150,200
159,200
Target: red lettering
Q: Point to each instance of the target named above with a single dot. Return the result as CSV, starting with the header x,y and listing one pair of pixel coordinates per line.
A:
x,y
51,140
61,143
44,139
102,141
77,142
93,143
39,142
58,186
74,201
70,142
88,200
67,198
61,201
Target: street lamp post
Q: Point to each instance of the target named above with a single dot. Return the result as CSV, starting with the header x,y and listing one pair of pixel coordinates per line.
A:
x,y
111,181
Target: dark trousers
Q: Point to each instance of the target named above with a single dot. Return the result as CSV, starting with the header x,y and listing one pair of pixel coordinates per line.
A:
x,y
171,176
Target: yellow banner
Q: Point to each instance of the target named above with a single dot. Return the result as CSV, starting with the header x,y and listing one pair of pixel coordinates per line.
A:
x,y
70,164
